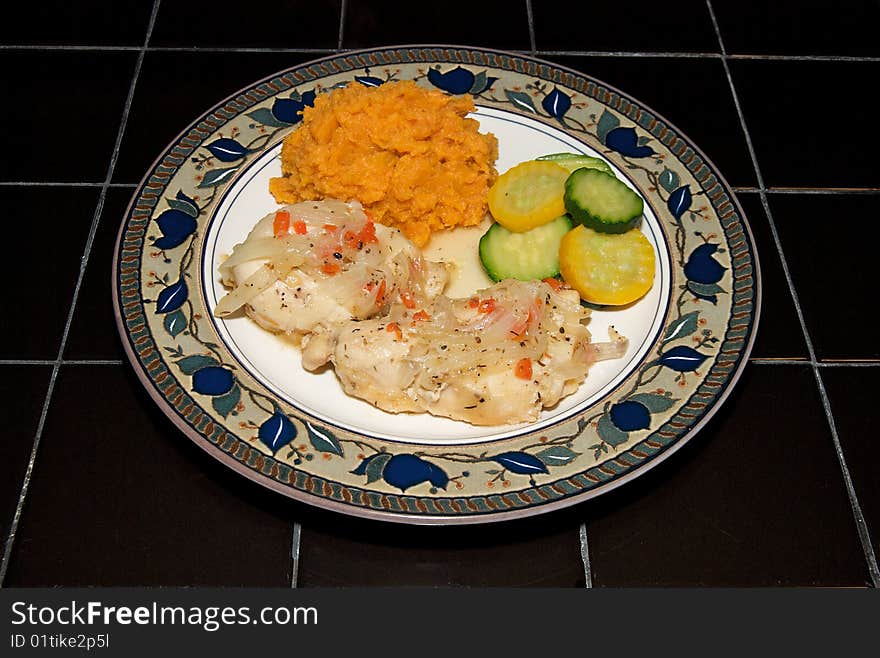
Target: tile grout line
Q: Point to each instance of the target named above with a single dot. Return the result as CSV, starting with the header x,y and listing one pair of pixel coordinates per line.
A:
x,y
807,190
532,51
530,16
858,516
13,528
26,183
63,362
585,555
294,555
342,10
576,53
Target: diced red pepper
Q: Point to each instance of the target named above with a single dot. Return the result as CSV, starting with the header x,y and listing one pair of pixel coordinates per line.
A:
x,y
380,293
299,227
351,240
331,268
281,224
393,327
367,234
421,316
523,369
407,298
329,228
554,283
487,305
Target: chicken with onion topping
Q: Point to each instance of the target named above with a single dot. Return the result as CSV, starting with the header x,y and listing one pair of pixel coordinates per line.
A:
x,y
311,266
499,357
360,297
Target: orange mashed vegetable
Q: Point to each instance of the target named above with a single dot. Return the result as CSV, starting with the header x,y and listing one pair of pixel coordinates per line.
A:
x,y
408,154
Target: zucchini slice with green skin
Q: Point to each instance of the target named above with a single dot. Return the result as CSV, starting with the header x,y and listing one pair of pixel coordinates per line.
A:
x,y
601,202
572,161
532,254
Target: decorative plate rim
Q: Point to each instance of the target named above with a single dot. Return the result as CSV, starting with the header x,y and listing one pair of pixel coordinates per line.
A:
x,y
400,516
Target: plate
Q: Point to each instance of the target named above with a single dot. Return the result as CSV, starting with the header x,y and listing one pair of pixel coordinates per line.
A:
x,y
241,394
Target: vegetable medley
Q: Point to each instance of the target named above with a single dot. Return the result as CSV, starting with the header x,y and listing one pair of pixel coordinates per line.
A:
x,y
567,215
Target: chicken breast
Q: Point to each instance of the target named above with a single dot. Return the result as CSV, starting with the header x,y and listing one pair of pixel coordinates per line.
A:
x,y
311,266
497,358
360,297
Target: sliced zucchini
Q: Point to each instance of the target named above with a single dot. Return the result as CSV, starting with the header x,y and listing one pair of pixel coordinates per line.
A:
x,y
572,161
607,268
529,255
601,202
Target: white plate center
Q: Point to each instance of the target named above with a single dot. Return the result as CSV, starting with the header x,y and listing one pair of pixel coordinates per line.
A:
x,y
276,363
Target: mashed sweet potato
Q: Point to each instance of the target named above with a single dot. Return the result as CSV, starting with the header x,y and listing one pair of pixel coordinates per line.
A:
x,y
408,154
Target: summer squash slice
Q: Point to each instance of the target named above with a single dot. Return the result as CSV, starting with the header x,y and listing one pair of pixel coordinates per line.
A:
x,y
526,256
607,268
528,195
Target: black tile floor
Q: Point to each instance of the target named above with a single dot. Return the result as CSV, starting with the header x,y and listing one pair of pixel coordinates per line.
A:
x,y
306,24
684,27
52,273
794,27
93,333
680,89
111,525
779,489
491,23
65,131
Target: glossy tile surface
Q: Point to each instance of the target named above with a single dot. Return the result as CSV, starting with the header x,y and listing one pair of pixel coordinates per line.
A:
x,y
71,103
797,119
293,24
397,22
779,331
643,27
84,23
852,393
93,332
37,307
23,390
832,298
121,497
680,89
174,89
752,500
542,552
793,27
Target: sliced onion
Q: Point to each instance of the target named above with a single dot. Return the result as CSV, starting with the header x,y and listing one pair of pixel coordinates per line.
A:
x,y
614,349
252,249
263,279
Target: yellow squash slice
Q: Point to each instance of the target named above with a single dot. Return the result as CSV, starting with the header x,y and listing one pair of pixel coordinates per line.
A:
x,y
528,195
606,268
